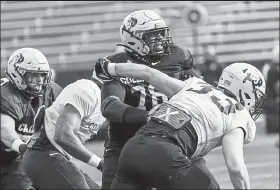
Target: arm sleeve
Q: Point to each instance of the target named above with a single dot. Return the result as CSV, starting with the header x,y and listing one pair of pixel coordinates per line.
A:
x,y
115,110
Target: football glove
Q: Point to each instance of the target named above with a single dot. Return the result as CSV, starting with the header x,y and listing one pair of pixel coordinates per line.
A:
x,y
101,69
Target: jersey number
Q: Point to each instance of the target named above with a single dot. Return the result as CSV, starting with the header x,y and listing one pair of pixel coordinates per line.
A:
x,y
149,97
226,106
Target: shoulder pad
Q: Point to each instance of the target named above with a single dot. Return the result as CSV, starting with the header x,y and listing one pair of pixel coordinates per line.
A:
x,y
121,57
11,93
56,89
184,55
11,101
51,93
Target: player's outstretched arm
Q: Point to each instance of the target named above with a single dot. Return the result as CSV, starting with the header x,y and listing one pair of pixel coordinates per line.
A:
x,y
165,84
68,123
9,136
232,145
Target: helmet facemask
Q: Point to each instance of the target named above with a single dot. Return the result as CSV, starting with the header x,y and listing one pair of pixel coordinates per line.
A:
x,y
158,40
158,43
258,99
256,110
35,87
26,85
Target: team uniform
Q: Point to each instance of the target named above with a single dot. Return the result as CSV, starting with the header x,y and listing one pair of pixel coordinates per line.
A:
x,y
191,124
22,110
45,162
137,94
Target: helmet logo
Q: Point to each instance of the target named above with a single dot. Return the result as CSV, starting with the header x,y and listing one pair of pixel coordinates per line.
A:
x,y
131,22
257,81
17,59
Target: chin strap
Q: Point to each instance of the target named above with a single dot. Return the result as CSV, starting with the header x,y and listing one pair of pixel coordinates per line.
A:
x,y
148,59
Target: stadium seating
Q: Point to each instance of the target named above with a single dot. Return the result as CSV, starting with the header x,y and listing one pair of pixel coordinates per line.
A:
x,y
81,31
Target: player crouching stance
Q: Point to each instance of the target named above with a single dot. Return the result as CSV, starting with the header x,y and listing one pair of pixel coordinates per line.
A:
x,y
26,87
198,118
72,119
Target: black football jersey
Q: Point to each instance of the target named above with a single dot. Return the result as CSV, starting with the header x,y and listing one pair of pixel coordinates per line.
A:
x,y
139,93
23,111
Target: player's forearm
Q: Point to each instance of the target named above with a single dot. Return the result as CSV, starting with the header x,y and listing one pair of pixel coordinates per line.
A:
x,y
240,178
9,136
72,145
13,141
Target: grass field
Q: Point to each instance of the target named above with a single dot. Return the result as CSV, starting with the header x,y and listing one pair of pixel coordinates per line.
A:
x,y
261,157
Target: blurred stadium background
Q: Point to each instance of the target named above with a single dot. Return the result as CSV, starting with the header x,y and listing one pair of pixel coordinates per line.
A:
x,y
74,34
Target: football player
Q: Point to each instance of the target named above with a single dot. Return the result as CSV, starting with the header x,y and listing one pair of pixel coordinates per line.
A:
x,y
26,87
198,118
60,133
126,101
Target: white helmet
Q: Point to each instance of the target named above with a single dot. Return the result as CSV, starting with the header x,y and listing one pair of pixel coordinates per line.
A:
x,y
247,84
26,60
137,29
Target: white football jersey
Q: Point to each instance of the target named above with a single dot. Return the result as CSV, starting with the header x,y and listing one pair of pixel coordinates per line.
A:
x,y
85,96
213,114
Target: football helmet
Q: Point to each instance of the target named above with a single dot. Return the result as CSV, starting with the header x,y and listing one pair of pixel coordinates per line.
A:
x,y
28,60
247,84
144,33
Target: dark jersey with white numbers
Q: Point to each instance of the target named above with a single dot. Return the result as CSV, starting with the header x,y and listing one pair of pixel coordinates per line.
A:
x,y
139,93
22,110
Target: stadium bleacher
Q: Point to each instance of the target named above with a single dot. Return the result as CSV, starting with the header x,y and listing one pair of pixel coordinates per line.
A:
x,y
81,31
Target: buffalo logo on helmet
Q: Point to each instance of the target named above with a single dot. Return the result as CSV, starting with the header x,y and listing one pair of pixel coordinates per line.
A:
x,y
131,22
18,58
257,81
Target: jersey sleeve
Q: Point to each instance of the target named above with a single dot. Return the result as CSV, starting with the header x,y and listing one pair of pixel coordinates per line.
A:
x,y
11,101
113,88
9,109
82,95
243,120
250,130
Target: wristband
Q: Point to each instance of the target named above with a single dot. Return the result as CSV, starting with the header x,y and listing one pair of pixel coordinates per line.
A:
x,y
94,160
16,144
112,69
